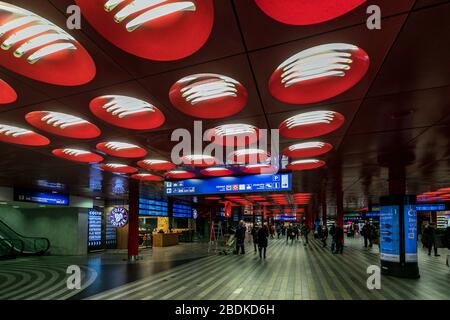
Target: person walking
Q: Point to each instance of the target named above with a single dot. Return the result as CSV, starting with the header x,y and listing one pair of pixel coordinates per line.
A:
x,y
296,231
278,231
429,238
290,234
240,237
255,237
324,236
339,239
332,233
305,233
366,232
263,234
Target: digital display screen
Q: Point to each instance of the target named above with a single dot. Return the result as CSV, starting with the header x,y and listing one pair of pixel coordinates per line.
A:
x,y
285,218
150,207
241,184
430,207
410,225
389,233
110,235
41,197
181,210
95,222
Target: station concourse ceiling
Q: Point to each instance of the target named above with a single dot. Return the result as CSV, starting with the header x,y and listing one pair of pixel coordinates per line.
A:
x,y
401,106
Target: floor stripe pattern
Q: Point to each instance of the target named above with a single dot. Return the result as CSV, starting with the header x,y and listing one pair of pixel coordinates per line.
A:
x,y
39,279
291,271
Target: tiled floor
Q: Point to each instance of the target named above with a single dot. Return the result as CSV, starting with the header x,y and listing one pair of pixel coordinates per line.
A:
x,y
291,271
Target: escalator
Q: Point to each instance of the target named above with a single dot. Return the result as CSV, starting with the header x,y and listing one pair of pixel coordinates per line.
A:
x,y
13,244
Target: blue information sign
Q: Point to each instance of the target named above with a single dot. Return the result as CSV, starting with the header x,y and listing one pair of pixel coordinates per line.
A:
x,y
41,197
239,184
95,223
390,233
410,225
430,207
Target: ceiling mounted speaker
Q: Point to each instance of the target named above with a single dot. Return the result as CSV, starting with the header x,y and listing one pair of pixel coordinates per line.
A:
x,y
162,30
156,165
199,160
208,96
63,124
121,149
319,73
307,149
305,164
236,135
118,168
179,174
38,49
127,112
306,12
216,172
146,177
16,135
248,156
7,93
260,168
77,155
311,124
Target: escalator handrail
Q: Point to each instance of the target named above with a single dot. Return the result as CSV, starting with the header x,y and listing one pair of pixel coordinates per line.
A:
x,y
30,238
13,246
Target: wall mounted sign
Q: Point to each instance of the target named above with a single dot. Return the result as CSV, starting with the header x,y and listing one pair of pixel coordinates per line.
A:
x,y
118,217
95,226
25,195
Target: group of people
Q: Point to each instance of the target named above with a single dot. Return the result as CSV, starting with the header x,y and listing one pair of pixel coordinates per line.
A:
x,y
260,235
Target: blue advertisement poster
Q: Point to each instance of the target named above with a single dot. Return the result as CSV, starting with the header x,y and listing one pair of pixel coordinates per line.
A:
x,y
410,225
390,233
240,184
95,222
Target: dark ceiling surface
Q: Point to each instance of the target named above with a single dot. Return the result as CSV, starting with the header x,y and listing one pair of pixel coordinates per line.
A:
x,y
401,105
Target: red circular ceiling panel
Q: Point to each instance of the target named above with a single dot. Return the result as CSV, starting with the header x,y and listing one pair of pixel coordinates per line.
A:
x,y
216,172
259,169
162,30
146,177
236,135
156,165
307,149
305,164
63,124
199,160
311,124
7,93
179,174
16,135
77,155
36,48
319,73
118,168
127,112
121,149
248,156
208,96
305,12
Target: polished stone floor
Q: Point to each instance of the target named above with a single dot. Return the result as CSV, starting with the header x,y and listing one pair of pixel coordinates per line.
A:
x,y
188,271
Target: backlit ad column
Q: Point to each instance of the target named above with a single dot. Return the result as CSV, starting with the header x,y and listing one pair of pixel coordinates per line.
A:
x,y
133,220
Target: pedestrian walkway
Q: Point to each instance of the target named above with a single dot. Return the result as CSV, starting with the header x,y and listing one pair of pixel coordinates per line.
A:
x,y
291,271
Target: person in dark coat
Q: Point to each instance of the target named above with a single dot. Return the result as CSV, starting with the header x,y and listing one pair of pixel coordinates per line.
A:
x,y
263,234
429,239
290,234
339,239
366,232
332,233
255,237
305,232
240,237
